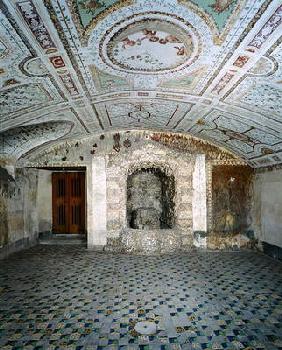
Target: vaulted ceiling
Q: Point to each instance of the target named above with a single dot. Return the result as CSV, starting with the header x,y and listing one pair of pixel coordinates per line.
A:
x,y
210,68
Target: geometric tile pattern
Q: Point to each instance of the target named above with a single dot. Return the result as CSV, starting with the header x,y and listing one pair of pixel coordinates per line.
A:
x,y
69,298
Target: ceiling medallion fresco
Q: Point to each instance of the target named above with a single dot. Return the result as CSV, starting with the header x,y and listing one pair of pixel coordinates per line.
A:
x,y
147,44
150,46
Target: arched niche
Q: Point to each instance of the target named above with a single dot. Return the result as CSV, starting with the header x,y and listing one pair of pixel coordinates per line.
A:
x,y
150,198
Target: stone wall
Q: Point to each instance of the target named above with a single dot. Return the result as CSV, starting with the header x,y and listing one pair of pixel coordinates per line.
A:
x,y
211,197
231,186
111,158
7,191
150,195
268,207
18,212
4,188
230,206
149,155
44,201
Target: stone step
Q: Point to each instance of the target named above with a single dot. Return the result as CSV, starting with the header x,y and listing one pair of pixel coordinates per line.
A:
x,y
62,239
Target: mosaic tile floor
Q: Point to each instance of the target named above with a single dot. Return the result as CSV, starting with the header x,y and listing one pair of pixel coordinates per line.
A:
x,y
55,297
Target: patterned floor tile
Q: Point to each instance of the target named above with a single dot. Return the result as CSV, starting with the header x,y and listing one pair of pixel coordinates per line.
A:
x,y
71,298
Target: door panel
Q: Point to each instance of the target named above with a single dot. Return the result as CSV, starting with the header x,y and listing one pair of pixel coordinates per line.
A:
x,y
59,202
76,203
68,198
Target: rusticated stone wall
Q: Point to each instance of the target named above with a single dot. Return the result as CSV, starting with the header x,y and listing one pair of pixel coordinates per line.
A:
x,y
171,162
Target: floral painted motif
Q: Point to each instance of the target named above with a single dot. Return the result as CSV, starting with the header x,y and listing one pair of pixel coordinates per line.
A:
x,y
249,138
166,114
241,61
35,23
269,27
223,82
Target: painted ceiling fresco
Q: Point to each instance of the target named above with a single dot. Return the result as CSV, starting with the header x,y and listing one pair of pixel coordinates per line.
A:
x,y
17,141
208,68
148,50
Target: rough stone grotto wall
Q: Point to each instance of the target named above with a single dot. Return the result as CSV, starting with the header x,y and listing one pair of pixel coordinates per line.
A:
x,y
18,217
231,221
171,162
150,199
109,159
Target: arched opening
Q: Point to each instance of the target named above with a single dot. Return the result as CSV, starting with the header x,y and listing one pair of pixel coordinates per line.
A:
x,y
150,199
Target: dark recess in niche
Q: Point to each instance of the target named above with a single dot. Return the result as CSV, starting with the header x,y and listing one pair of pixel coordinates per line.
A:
x,y
150,199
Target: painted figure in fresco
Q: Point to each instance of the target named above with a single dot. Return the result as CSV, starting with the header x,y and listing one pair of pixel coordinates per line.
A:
x,y
127,42
229,225
180,50
91,6
225,221
172,39
150,35
220,6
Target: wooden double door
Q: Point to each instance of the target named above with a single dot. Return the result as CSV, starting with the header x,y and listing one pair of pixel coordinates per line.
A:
x,y
68,202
